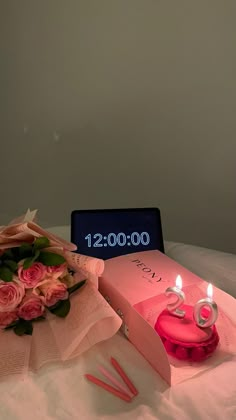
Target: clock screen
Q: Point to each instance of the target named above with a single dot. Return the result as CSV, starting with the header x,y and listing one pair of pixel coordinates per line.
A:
x,y
110,233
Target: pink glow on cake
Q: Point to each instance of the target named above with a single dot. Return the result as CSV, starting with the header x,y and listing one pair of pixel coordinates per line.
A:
x,y
183,339
183,329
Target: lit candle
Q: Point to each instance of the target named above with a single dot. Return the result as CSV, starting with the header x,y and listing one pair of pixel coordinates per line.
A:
x,y
176,290
209,303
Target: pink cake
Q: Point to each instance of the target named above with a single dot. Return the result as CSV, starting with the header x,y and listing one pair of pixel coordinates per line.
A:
x,y
183,339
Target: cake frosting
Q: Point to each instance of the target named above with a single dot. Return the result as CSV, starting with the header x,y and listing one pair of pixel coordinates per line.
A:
x,y
183,339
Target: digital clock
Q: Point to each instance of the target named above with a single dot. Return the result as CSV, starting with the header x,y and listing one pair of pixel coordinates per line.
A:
x,y
113,232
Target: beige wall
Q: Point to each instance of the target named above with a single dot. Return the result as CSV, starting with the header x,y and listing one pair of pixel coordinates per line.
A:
x,y
121,103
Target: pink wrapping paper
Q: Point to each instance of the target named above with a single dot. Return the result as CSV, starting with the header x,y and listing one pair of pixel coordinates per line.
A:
x,y
24,229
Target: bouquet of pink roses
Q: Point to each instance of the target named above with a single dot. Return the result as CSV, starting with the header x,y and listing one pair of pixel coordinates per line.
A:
x,y
38,273
33,279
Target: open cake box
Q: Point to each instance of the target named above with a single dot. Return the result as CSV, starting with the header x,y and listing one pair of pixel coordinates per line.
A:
x,y
135,284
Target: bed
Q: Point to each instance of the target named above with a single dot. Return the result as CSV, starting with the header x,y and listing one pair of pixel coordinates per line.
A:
x,y
61,391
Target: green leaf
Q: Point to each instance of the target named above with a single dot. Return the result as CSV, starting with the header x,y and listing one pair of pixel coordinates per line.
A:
x,y
40,318
23,327
5,274
12,254
49,258
25,251
12,325
36,255
76,286
61,309
11,264
7,255
41,242
29,261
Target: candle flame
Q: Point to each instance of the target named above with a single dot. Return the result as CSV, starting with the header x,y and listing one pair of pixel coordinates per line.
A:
x,y
178,282
210,291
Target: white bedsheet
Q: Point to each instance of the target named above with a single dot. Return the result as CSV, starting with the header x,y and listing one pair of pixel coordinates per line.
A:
x,y
61,392
216,267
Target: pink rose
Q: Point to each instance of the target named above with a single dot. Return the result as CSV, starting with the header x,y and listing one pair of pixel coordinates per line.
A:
x,y
33,275
31,307
56,271
53,291
6,318
11,294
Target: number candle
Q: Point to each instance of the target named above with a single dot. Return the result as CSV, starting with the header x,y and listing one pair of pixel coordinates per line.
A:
x,y
208,302
176,290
